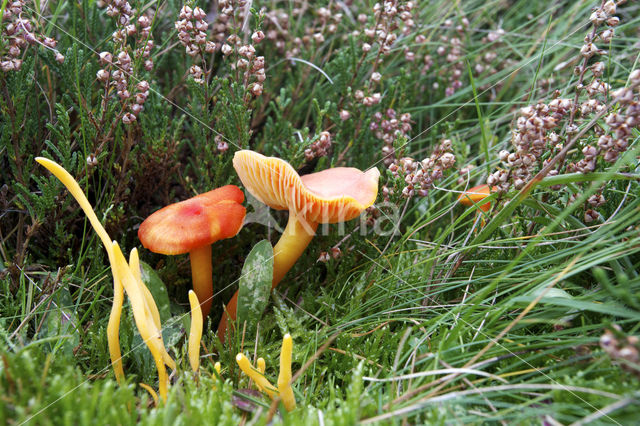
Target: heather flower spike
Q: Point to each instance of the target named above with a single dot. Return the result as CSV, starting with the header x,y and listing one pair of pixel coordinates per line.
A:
x,y
284,390
329,196
126,277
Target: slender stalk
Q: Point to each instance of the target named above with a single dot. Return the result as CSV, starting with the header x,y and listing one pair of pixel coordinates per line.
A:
x,y
201,271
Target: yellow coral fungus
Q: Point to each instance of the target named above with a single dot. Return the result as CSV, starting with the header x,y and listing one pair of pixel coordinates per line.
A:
x,y
195,334
149,389
284,378
284,390
261,382
113,326
126,276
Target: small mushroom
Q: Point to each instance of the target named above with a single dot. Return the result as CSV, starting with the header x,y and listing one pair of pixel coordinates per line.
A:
x,y
191,226
330,196
474,196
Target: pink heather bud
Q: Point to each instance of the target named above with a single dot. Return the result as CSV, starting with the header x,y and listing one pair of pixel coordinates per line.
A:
x,y
256,89
192,50
335,252
324,257
258,63
376,98
59,57
148,65
102,75
309,155
124,94
6,66
375,77
242,64
199,14
260,75
124,58
210,47
222,146
607,35
186,12
202,26
344,115
227,50
49,42
358,95
257,37
144,21
366,47
128,118
92,160
130,29
247,51
141,97
142,86
613,21
325,137
609,7
195,71
136,109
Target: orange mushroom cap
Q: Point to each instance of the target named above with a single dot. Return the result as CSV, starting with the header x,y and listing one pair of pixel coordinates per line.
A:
x,y
202,220
330,196
475,195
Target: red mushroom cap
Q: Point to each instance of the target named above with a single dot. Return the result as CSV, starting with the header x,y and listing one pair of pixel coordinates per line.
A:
x,y
185,226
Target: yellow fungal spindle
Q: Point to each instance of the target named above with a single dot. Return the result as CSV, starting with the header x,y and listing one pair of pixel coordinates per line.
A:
x,y
261,382
113,327
262,367
149,389
195,334
149,336
284,378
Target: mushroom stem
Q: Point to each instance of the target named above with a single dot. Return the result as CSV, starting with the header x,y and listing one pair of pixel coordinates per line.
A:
x,y
293,241
201,271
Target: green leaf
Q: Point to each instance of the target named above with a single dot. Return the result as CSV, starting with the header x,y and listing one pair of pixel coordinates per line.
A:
x,y
158,290
255,285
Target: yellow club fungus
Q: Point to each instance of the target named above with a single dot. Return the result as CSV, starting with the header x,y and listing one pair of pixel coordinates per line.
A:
x,y
149,389
284,390
195,334
126,277
113,326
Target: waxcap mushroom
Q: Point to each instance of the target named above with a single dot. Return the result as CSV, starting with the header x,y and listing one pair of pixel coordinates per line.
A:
x,y
204,219
329,196
475,195
191,226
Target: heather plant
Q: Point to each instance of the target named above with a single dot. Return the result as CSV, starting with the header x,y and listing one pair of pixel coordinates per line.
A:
x,y
520,307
